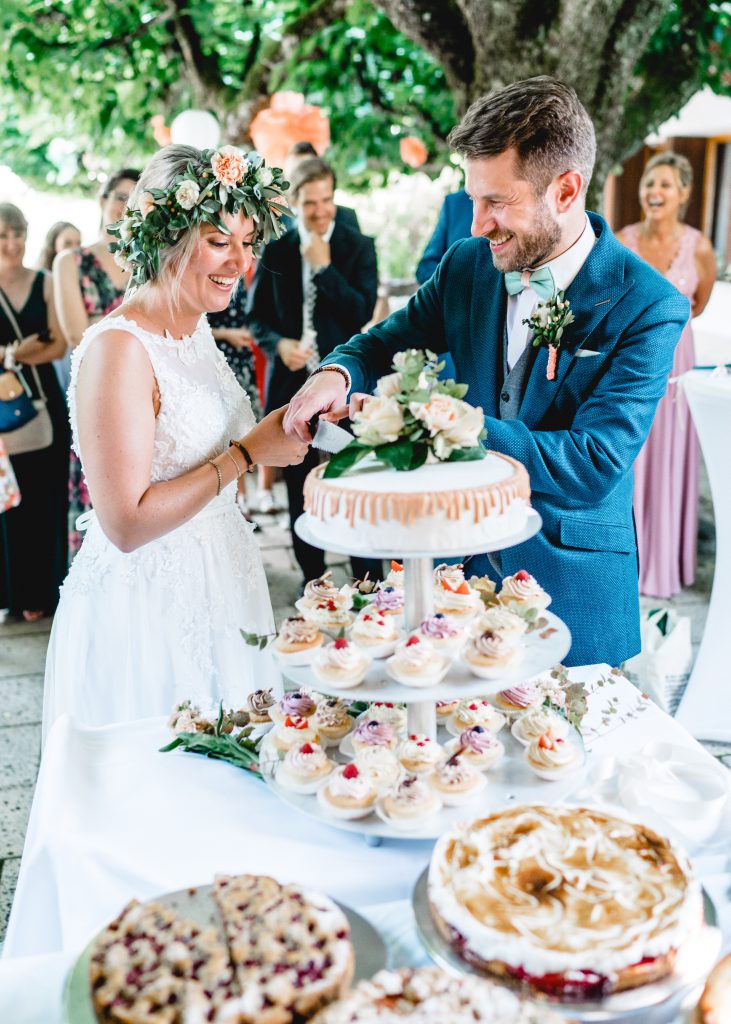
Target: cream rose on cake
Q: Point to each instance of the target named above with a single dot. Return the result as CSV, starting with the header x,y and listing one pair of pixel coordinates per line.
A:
x,y
417,663
304,768
297,641
375,633
379,421
341,664
348,793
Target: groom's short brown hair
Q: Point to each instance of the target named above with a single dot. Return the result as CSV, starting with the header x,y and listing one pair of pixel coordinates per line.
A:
x,y
542,119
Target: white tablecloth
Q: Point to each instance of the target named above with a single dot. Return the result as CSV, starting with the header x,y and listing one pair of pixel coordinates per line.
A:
x,y
114,819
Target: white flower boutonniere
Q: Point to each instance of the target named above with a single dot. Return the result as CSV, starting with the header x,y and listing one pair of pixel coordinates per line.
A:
x,y
547,323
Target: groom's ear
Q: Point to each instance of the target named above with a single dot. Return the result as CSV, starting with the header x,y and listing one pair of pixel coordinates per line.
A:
x,y
567,190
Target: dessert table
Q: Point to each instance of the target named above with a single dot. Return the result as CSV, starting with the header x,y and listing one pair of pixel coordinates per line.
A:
x,y
705,709
114,819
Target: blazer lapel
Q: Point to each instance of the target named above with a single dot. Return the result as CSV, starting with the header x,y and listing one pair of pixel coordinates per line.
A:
x,y
594,291
487,317
292,279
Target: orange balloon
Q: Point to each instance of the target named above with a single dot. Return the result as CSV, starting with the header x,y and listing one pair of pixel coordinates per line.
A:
x,y
160,130
288,119
413,151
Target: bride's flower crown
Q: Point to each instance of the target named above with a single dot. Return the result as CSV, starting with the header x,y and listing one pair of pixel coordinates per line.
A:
x,y
224,180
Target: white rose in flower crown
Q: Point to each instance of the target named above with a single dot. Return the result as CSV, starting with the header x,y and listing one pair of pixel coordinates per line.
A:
x,y
543,314
266,177
399,359
379,421
125,230
389,385
463,432
187,194
439,413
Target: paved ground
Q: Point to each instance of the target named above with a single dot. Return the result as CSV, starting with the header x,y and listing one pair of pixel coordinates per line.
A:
x,y
22,658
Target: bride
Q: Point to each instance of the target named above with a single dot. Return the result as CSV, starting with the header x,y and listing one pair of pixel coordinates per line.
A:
x,y
169,571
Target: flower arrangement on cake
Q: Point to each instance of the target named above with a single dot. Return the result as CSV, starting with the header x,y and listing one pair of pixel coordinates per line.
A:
x,y
414,418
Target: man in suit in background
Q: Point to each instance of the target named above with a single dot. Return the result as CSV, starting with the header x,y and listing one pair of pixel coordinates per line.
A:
x,y
455,222
314,287
344,215
529,153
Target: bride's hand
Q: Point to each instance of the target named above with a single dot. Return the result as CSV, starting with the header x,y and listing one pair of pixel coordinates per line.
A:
x,y
268,445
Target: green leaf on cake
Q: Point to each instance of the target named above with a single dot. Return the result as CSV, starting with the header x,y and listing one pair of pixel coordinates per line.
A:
x,y
398,455
342,461
466,454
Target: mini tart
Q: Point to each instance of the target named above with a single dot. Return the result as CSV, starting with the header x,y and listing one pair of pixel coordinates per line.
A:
x,y
552,758
446,708
409,804
295,704
348,793
502,620
522,592
517,699
321,590
341,664
429,994
568,901
533,724
478,747
380,765
460,603
332,721
418,754
385,711
328,614
297,641
390,603
304,768
396,576
370,733
475,712
293,731
416,663
456,782
442,632
489,655
375,633
453,574
259,705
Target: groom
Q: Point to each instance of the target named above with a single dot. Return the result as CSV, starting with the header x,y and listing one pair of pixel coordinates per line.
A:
x,y
529,153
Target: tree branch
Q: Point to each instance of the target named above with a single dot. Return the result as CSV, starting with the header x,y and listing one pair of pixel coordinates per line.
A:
x,y
202,69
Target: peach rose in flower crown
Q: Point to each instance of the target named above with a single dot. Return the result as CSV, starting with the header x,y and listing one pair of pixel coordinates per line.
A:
x,y
228,165
379,421
147,204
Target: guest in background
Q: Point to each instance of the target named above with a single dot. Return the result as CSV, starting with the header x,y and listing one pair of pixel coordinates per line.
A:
x,y
455,222
344,215
666,470
314,287
61,236
87,285
33,535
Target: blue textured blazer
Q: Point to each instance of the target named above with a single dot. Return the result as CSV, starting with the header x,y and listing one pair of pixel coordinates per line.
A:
x,y
577,435
455,222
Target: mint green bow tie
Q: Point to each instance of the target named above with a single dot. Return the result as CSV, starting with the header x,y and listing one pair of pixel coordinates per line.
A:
x,y
541,281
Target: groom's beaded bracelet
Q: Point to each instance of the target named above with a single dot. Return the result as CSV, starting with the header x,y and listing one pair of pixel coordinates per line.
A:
x,y
335,369
249,460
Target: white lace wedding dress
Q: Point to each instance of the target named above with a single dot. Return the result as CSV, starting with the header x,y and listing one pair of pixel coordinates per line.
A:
x,y
134,633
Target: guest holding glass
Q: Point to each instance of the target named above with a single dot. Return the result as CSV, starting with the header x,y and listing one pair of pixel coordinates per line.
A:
x,y
87,286
666,470
33,535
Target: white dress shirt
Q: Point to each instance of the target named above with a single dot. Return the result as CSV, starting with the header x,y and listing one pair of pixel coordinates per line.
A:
x,y
564,269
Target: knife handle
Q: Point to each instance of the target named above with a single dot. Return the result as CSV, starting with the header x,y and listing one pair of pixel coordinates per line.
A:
x,y
313,424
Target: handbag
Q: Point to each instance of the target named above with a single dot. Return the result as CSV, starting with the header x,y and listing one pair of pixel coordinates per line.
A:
x,y
35,432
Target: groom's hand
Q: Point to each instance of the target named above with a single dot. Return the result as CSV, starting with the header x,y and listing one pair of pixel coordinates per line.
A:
x,y
323,393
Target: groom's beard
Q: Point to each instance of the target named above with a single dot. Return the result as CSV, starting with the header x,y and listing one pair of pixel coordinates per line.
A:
x,y
533,249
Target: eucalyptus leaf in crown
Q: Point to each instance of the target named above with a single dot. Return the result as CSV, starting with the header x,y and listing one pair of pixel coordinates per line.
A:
x,y
221,181
414,418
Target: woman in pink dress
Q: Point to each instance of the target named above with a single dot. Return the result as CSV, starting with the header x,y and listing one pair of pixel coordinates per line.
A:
x,y
666,470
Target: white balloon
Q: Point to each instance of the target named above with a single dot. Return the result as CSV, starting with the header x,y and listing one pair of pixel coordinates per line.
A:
x,y
196,128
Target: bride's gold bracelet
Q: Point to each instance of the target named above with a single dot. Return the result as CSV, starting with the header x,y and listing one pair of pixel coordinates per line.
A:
x,y
218,474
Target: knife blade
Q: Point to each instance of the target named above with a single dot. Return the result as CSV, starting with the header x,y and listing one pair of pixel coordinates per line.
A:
x,y
327,436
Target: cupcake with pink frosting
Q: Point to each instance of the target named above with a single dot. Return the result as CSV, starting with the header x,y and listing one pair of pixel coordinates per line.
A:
x,y
489,655
417,663
446,708
478,747
389,601
375,633
304,768
373,734
348,793
386,711
522,592
341,664
518,699
296,704
442,632
297,641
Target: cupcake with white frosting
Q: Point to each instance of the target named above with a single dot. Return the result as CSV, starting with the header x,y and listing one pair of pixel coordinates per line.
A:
x,y
386,711
469,713
502,620
296,704
331,614
460,602
297,641
341,664
488,655
533,724
292,732
522,592
320,591
380,765
396,576
304,768
418,754
416,663
389,601
348,793
478,747
456,782
332,721
375,633
453,574
443,633
410,804
519,698
373,734
552,758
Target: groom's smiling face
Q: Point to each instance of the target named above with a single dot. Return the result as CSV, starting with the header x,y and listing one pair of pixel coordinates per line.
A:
x,y
520,226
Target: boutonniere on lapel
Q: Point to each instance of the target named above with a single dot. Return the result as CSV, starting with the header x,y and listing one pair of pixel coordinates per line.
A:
x,y
547,322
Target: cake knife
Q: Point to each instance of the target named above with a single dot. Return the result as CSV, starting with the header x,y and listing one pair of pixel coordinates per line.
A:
x,y
327,436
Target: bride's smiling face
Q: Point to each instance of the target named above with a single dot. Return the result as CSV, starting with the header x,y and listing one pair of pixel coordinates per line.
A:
x,y
219,261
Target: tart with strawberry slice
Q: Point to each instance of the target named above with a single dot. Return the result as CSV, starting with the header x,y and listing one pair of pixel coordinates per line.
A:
x,y
457,600
553,756
348,793
293,730
522,592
